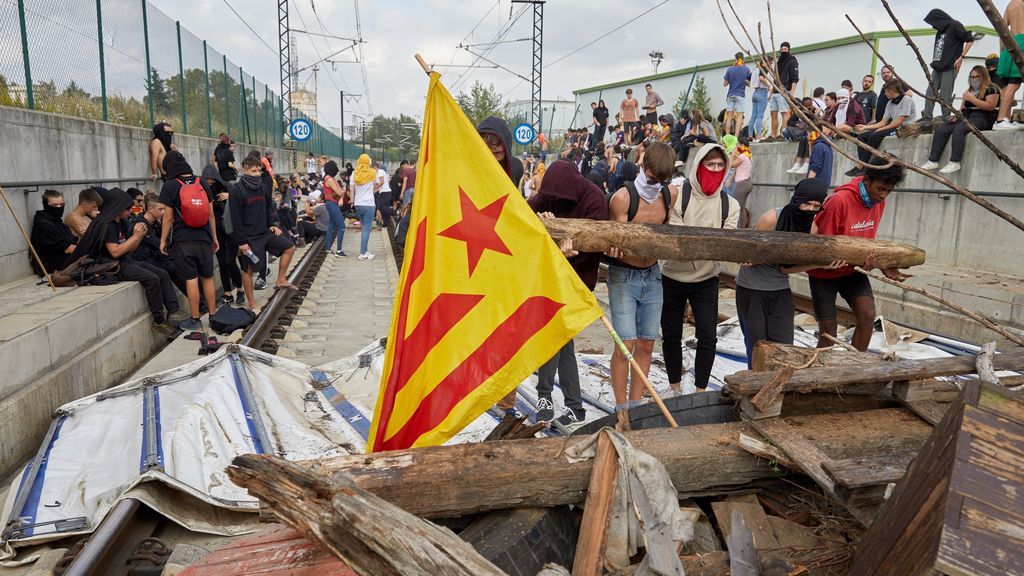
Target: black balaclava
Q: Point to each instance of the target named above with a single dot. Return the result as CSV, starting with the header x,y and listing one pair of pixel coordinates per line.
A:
x,y
175,165
792,218
160,133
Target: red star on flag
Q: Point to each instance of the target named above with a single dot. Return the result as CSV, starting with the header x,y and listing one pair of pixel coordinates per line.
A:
x,y
477,228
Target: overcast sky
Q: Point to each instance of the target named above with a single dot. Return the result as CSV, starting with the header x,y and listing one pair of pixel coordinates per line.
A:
x,y
688,32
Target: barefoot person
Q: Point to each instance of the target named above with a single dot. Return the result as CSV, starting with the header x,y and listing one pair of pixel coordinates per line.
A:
x,y
1007,69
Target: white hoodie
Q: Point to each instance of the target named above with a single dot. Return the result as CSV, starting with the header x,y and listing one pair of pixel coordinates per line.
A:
x,y
702,211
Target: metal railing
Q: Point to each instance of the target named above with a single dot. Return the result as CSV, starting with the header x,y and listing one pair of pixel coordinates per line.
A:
x,y
126,62
942,192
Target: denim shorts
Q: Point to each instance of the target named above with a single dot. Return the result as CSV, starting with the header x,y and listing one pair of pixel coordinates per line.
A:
x,y
777,103
735,104
635,297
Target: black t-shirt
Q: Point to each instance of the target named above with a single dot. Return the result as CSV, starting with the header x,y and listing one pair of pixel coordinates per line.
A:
x,y
601,115
223,155
170,196
970,108
949,45
116,233
867,100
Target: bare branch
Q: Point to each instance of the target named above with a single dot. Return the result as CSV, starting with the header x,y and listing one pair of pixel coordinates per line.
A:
x,y
936,96
972,315
913,46
818,124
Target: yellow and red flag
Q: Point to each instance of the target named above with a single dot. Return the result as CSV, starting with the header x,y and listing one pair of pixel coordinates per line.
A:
x,y
484,298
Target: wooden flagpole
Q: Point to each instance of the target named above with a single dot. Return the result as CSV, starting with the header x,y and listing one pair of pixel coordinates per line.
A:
x,y
636,367
31,248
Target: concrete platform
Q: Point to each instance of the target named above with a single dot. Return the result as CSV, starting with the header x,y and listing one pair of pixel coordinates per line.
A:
x,y
56,347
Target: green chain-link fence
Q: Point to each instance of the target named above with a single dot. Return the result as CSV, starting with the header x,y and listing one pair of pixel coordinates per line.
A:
x,y
126,62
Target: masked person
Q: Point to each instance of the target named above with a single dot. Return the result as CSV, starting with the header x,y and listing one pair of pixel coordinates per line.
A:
x,y
51,238
159,146
764,302
566,194
111,237
980,107
952,43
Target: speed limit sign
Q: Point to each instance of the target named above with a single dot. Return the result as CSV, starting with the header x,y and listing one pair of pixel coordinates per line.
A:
x,y
300,129
524,134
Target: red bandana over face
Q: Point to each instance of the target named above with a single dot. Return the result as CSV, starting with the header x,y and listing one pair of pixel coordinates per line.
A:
x,y
709,180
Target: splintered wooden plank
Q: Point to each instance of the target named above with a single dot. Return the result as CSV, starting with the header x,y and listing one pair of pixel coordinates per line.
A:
x,y
759,447
799,449
748,383
929,410
590,547
867,471
754,519
743,560
793,535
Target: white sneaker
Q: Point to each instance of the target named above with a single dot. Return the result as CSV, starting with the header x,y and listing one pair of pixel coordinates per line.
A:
x,y
794,170
1005,124
950,168
929,165
366,256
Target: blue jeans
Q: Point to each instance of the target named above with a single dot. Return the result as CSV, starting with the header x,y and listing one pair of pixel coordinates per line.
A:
x,y
365,215
335,225
760,104
635,299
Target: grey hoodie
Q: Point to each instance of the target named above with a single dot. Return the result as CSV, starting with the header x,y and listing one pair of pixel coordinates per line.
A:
x,y
702,211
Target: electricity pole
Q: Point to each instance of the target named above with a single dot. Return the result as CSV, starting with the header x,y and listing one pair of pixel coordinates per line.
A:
x,y
284,61
538,61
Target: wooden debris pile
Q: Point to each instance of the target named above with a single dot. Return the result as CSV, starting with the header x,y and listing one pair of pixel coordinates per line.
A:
x,y
796,485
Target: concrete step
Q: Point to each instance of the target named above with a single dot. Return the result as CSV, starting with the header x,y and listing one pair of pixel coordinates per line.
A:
x,y
56,347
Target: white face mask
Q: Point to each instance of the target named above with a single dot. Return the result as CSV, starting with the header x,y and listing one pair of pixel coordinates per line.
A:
x,y
647,190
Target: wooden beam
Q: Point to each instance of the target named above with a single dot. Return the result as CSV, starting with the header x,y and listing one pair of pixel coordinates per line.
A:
x,y
683,243
373,536
748,382
448,481
765,450
590,547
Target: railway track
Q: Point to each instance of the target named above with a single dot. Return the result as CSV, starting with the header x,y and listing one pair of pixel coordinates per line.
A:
x,y
124,543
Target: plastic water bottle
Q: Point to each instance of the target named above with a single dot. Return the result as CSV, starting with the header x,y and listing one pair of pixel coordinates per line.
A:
x,y
251,256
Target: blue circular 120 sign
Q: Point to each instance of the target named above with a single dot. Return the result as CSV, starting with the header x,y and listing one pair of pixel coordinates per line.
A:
x,y
524,134
300,129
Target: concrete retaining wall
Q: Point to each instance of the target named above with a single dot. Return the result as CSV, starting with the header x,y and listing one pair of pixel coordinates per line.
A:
x,y
950,228
40,146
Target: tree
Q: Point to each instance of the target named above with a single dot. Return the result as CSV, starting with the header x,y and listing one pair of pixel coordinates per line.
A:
x,y
481,102
700,99
158,92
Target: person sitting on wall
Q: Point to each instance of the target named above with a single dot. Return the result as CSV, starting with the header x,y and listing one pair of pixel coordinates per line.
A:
x,y
51,238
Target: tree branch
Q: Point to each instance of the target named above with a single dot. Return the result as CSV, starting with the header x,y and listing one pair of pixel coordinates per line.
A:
x,y
1005,36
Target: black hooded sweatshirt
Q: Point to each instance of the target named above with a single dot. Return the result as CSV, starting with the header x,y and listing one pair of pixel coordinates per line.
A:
x,y
512,166
251,209
950,37
179,172
50,237
103,228
211,173
789,69
567,194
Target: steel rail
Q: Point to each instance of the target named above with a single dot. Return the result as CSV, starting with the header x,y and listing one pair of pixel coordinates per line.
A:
x,y
129,521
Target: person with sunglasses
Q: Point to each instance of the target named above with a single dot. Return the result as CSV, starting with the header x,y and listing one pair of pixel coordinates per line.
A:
x,y
980,107
635,284
703,203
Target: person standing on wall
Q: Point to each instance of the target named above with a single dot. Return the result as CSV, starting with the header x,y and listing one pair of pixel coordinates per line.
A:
x,y
628,110
161,143
600,121
651,104
737,78
789,75
952,43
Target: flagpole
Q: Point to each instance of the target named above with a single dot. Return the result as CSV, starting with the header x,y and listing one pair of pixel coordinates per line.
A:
x,y
423,63
636,370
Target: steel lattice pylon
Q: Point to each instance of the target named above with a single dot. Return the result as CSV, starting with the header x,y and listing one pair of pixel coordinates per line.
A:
x,y
538,61
284,58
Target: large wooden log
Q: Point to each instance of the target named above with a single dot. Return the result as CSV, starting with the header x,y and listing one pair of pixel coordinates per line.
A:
x,y
684,243
447,481
748,382
373,536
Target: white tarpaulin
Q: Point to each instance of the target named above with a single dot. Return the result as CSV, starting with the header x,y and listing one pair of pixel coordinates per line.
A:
x,y
180,429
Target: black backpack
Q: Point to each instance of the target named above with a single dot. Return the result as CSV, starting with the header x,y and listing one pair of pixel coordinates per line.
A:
x,y
687,191
228,319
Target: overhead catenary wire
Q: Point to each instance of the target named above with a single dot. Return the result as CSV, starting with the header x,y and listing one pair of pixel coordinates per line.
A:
x,y
362,60
475,26
608,33
254,33
501,36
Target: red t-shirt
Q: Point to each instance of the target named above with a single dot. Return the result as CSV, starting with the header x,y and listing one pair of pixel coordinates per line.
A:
x,y
843,214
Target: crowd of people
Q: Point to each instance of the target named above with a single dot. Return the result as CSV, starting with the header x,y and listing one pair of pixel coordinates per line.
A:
x,y
241,215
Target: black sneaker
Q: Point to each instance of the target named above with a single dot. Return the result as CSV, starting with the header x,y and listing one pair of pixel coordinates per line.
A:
x,y
240,298
570,416
260,284
227,299
545,410
190,325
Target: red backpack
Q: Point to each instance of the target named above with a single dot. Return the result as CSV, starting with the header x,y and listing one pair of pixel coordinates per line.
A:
x,y
195,205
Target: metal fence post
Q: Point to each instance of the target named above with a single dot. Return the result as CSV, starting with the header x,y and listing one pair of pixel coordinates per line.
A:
x,y
149,67
206,75
103,68
30,100
181,76
266,115
255,116
245,106
227,98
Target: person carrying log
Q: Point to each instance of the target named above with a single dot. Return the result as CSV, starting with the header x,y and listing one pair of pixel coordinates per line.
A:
x,y
855,209
635,284
764,302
